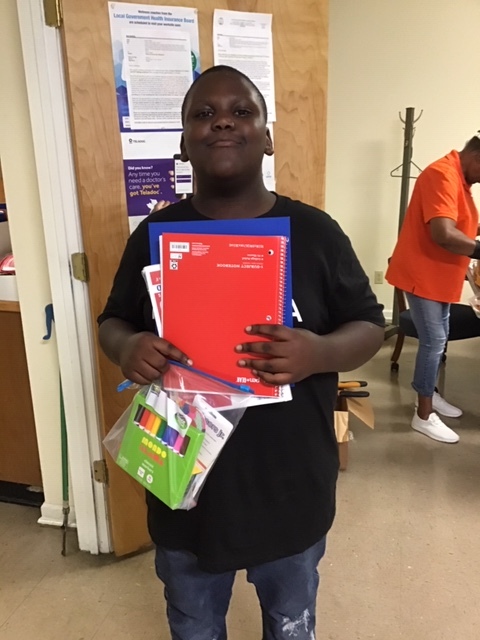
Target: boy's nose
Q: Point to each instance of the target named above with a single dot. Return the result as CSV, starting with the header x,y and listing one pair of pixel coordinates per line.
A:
x,y
223,122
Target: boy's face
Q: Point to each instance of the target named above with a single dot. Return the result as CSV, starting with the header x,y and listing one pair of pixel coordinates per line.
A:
x,y
225,134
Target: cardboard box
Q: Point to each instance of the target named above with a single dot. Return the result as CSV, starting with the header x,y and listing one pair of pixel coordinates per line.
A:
x,y
476,272
359,407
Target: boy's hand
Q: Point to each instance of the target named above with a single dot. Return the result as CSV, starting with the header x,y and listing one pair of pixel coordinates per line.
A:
x,y
144,357
290,355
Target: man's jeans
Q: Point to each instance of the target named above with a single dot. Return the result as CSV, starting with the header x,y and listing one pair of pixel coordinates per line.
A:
x,y
431,320
197,601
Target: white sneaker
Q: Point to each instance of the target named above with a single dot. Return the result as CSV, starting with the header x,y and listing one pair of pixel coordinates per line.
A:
x,y
441,406
434,428
444,408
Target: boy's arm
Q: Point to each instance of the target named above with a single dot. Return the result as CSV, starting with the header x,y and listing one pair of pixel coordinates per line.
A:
x,y
356,326
142,356
112,334
348,347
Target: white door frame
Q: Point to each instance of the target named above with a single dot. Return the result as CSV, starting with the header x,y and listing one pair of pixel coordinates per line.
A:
x,y
47,99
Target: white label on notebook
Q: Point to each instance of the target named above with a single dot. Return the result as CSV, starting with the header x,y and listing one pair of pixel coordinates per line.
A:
x,y
183,247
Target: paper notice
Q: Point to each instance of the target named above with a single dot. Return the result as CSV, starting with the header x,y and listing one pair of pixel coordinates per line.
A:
x,y
244,41
158,73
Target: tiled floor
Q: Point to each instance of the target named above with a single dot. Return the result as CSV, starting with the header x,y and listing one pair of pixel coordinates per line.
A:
x,y
402,560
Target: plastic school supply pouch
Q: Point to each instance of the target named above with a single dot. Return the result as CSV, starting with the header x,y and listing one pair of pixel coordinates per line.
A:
x,y
169,439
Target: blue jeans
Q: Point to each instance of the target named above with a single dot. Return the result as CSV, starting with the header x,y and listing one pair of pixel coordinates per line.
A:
x,y
431,320
197,601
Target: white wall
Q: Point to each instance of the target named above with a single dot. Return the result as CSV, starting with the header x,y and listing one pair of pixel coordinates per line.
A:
x,y
27,237
385,56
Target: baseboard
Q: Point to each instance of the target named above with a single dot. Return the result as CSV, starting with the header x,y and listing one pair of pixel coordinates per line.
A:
x,y
52,516
388,315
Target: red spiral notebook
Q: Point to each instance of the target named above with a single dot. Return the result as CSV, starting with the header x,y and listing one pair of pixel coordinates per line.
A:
x,y
213,286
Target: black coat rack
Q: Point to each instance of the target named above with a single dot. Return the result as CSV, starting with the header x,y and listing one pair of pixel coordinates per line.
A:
x,y
405,175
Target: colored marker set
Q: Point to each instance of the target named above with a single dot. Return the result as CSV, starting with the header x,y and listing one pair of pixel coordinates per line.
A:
x,y
155,425
169,439
161,444
158,427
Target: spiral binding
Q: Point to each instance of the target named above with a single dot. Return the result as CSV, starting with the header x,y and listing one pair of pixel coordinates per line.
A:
x,y
282,282
282,285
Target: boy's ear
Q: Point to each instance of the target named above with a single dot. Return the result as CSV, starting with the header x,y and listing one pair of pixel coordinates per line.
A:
x,y
268,144
183,152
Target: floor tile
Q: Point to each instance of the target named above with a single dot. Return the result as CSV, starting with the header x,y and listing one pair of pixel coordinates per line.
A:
x,y
71,614
27,552
125,622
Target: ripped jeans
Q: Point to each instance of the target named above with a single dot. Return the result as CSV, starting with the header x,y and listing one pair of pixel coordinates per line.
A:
x,y
197,601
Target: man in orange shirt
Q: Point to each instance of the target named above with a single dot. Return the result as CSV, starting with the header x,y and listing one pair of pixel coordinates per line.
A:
x,y
435,245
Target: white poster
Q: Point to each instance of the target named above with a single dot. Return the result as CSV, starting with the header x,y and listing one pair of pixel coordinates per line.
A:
x,y
156,57
244,41
158,74
158,38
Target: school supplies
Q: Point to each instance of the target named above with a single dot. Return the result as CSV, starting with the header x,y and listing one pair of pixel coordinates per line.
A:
x,y
206,376
277,226
213,286
168,440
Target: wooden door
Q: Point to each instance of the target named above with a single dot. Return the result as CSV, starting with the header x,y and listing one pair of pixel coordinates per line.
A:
x,y
19,459
300,49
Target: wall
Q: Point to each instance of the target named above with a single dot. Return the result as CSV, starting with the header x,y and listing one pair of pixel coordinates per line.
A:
x,y
26,231
385,56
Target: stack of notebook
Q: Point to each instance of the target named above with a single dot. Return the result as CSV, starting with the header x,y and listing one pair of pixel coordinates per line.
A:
x,y
208,281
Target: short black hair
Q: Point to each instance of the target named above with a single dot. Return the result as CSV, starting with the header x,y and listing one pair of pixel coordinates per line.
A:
x,y
223,68
473,145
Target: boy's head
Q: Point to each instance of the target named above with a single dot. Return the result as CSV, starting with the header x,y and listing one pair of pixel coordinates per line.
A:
x,y
225,70
225,133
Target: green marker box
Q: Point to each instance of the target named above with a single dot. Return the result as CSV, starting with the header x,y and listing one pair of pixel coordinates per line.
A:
x,y
162,463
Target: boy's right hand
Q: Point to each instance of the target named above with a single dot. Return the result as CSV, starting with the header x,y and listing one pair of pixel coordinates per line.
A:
x,y
144,357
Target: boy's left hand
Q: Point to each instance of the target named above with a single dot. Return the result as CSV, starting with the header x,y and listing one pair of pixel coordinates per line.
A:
x,y
290,354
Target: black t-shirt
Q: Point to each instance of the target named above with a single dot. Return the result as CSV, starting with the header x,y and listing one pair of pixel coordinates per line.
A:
x,y
271,493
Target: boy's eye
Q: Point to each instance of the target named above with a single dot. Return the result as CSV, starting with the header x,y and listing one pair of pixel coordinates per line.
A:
x,y
242,112
203,113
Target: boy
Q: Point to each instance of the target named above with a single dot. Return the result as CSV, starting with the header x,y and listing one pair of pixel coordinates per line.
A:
x,y
270,499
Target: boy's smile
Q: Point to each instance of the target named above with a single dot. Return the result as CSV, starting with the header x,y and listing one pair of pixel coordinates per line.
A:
x,y
224,143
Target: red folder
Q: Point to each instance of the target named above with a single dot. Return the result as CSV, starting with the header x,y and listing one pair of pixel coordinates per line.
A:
x,y
213,286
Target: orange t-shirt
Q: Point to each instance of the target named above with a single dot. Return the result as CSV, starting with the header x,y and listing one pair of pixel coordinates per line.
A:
x,y
418,264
